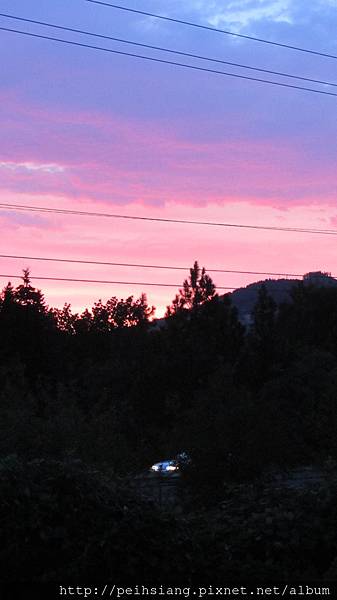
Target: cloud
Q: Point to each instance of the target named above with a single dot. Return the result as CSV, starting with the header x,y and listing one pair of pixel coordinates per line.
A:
x,y
108,158
149,24
31,167
244,13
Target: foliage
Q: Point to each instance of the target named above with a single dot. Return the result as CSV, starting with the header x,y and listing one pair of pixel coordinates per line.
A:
x,y
104,318
67,521
271,533
26,295
112,390
197,289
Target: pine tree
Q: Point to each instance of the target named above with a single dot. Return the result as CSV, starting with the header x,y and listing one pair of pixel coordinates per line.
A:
x,y
7,298
197,289
26,295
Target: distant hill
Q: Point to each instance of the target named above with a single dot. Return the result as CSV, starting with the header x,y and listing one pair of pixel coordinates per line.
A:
x,y
244,299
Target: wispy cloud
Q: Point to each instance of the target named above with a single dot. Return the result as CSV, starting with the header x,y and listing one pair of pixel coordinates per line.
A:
x,y
31,167
122,161
244,13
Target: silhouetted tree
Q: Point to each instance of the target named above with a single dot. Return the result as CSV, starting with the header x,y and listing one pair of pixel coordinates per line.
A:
x,y
7,297
264,316
197,289
65,320
26,295
116,314
260,358
28,327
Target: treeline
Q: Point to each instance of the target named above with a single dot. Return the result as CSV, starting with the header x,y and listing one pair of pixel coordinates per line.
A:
x,y
88,401
110,388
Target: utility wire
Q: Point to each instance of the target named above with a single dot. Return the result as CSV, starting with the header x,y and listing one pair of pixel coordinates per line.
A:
x,y
210,28
142,266
145,284
71,279
168,62
61,211
168,50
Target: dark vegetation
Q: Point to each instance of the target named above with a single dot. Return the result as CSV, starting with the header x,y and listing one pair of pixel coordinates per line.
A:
x,y
89,401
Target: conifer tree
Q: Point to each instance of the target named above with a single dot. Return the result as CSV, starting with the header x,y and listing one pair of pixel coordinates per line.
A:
x,y
27,295
197,289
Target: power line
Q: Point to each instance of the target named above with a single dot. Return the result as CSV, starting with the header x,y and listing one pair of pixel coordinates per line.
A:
x,y
210,28
137,283
168,62
169,50
48,210
71,279
142,266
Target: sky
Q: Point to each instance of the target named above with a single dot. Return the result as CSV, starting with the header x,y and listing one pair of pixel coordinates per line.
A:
x,y
100,132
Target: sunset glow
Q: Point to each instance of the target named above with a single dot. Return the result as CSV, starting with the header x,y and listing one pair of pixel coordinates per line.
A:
x,y
102,133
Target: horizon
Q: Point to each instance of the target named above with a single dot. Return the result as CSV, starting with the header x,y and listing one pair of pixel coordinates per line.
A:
x,y
90,131
156,316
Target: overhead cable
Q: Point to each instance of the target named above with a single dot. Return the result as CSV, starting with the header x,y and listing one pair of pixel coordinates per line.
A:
x,y
168,62
142,266
211,28
142,283
103,281
61,211
168,50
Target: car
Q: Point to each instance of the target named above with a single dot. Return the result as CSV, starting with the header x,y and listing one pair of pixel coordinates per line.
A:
x,y
165,466
173,465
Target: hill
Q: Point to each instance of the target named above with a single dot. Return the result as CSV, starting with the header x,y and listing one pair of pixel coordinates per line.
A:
x,y
244,299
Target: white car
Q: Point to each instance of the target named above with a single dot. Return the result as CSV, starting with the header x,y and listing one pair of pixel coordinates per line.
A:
x,y
171,466
165,466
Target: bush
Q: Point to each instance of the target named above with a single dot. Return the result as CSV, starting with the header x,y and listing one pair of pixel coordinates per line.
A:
x,y
63,520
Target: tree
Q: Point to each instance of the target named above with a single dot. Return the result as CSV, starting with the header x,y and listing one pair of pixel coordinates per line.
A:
x,y
264,315
129,312
261,358
197,289
101,314
7,298
8,322
84,323
115,314
26,295
28,327
65,320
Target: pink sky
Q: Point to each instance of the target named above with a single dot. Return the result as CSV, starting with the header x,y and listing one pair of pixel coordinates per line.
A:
x,y
142,242
85,131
